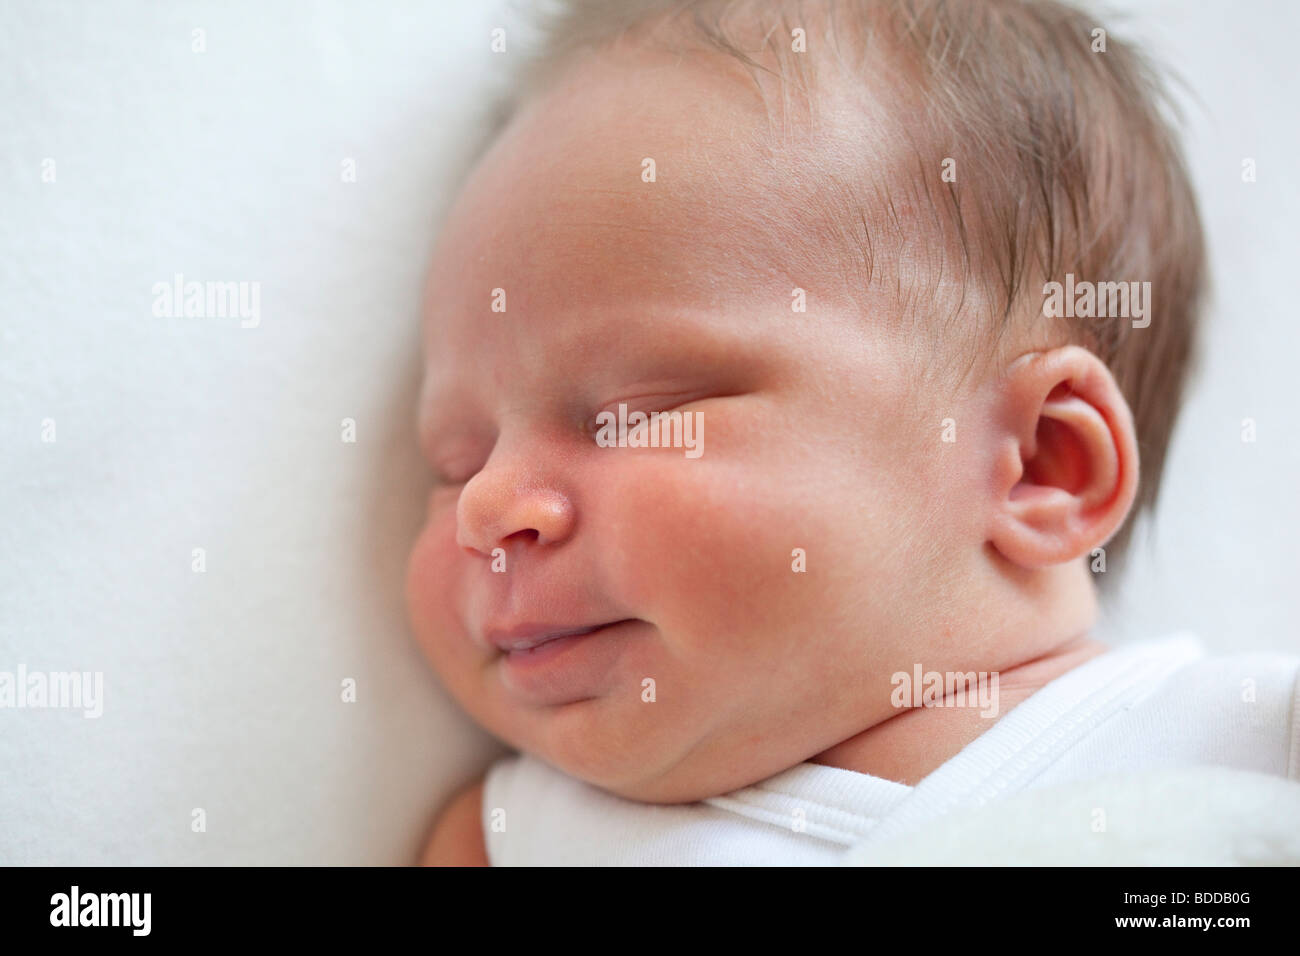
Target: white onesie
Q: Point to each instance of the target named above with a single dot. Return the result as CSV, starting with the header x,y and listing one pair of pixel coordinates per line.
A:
x,y
1154,705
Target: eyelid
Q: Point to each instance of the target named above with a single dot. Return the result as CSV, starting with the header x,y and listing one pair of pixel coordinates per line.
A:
x,y
648,402
448,466
659,401
442,480
662,403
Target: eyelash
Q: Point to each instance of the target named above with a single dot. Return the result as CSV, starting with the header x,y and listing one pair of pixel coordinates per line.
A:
x,y
442,479
588,427
658,406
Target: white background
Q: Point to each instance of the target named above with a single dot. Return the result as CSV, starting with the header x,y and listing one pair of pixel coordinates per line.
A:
x,y
223,688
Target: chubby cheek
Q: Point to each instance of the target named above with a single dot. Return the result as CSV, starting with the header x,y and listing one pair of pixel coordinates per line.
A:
x,y
706,552
431,583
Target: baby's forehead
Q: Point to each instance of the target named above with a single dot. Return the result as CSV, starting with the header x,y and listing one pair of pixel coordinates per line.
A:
x,y
637,181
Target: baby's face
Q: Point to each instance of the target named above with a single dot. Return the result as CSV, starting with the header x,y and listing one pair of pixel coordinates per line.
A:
x,y
751,603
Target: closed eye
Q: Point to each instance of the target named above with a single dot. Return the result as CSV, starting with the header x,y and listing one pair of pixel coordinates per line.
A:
x,y
454,471
611,415
444,480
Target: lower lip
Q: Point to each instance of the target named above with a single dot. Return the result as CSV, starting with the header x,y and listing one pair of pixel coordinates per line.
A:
x,y
568,669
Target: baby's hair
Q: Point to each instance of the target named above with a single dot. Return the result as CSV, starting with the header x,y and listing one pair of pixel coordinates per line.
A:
x,y
1064,161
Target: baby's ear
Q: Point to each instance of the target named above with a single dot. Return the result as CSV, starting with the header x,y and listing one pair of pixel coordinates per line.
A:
x,y
1066,465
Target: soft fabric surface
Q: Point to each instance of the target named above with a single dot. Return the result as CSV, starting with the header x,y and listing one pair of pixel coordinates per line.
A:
x,y
1191,816
223,688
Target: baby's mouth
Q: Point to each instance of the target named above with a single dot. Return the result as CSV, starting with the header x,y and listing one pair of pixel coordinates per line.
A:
x,y
525,639
553,665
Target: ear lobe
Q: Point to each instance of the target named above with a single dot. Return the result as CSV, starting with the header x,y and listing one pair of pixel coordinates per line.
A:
x,y
1068,469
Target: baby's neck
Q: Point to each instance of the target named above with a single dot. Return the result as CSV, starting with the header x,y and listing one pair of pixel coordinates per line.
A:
x,y
907,747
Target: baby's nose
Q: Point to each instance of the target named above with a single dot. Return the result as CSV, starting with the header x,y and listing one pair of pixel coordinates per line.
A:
x,y
500,503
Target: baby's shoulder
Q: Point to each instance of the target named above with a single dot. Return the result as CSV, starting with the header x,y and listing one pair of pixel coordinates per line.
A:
x,y
457,836
1170,703
1255,677
1243,706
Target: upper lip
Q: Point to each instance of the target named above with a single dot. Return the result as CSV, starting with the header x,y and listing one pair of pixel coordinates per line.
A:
x,y
524,636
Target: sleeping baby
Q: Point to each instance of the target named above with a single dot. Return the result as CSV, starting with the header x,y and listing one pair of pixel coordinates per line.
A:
x,y
788,369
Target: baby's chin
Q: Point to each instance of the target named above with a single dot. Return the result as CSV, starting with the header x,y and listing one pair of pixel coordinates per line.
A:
x,y
584,741
666,768
631,783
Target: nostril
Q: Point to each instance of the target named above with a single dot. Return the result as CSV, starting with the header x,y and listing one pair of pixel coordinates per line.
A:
x,y
526,536
494,509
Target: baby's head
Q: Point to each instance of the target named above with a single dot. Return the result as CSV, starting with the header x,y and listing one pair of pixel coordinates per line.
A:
x,y
823,233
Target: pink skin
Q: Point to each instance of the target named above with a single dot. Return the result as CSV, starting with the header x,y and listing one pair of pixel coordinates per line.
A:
x,y
961,556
